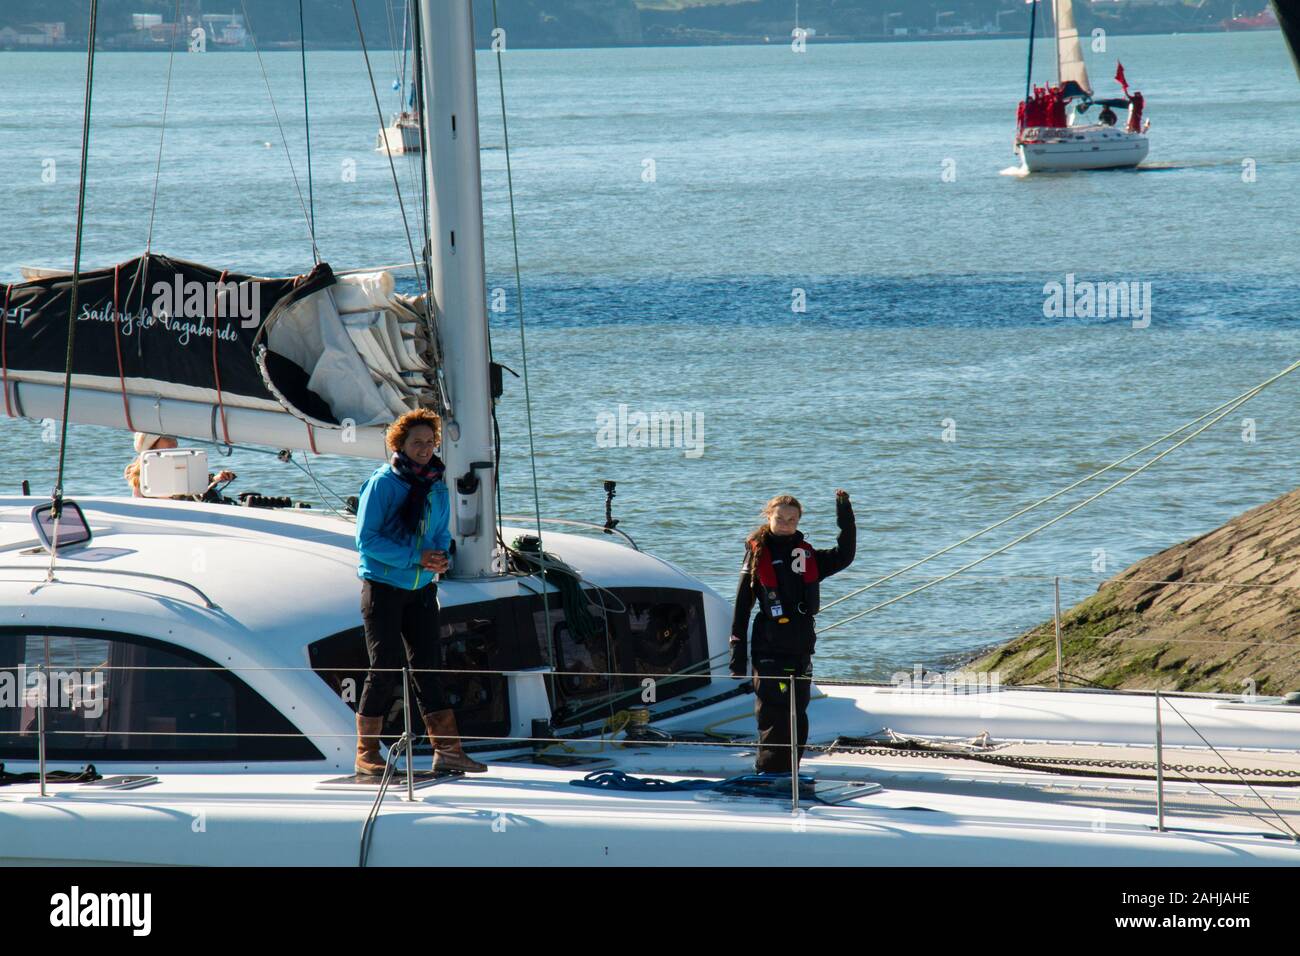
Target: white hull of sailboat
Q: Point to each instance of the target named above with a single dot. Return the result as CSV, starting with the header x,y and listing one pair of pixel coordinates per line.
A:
x,y
532,817
399,138
1072,149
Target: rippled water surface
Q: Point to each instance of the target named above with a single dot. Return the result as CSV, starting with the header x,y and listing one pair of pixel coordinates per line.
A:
x,y
772,173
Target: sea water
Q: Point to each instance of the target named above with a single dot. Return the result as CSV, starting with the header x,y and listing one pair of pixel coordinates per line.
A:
x,y
809,260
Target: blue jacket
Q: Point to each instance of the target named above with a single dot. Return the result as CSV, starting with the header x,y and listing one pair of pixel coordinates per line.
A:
x,y
389,553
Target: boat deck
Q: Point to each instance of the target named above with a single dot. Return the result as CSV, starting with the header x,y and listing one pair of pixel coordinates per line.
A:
x,y
951,810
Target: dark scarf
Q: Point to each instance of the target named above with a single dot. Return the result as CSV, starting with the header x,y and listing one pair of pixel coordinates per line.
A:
x,y
421,478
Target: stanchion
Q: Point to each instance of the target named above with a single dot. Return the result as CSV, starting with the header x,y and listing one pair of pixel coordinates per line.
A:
x,y
40,716
1057,618
1160,769
794,745
410,740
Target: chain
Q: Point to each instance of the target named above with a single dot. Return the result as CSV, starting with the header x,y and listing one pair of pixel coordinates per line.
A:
x,y
1047,764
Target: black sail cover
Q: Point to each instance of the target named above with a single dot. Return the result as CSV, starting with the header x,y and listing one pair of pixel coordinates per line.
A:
x,y
153,325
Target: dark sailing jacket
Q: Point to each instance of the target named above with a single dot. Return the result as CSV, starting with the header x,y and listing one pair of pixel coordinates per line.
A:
x,y
788,593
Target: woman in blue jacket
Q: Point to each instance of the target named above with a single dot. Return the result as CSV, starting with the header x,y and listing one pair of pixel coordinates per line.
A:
x,y
403,536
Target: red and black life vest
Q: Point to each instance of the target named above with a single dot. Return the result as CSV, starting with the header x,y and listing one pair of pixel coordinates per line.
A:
x,y
789,596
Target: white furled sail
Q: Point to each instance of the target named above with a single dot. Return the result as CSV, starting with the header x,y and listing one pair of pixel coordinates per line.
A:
x,y
1069,53
316,362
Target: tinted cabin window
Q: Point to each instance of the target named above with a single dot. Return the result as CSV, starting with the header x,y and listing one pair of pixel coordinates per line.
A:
x,y
133,699
651,631
584,656
665,636
474,637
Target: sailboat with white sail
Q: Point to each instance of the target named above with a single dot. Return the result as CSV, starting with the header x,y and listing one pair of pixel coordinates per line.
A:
x,y
403,133
206,658
1052,134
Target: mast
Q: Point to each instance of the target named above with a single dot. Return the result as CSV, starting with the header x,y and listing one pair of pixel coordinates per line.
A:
x,y
1029,72
458,280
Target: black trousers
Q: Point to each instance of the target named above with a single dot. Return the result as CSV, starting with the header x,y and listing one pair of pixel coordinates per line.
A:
x,y
773,683
397,620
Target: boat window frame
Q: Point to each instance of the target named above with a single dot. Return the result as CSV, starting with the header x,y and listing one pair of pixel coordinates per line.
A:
x,y
296,749
507,657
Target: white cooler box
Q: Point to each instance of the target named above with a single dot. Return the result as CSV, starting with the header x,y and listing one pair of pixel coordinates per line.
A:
x,y
173,471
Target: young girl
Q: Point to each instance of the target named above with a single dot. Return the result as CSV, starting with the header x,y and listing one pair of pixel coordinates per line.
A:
x,y
403,537
783,573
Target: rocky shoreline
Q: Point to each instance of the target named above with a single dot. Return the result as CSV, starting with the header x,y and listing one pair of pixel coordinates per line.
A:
x,y
1220,612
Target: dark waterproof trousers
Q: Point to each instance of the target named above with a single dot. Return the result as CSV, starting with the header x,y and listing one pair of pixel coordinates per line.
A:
x,y
401,630
774,682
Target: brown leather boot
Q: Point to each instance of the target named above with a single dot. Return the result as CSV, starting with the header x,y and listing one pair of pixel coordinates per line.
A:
x,y
447,752
368,761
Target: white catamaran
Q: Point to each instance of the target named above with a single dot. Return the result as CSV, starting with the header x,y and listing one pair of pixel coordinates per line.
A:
x,y
206,658
1053,137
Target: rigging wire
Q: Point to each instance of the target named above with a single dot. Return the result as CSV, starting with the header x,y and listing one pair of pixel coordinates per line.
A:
x,y
284,141
519,308
1240,399
379,112
1294,835
306,120
162,132
320,489
57,495
392,38
1231,407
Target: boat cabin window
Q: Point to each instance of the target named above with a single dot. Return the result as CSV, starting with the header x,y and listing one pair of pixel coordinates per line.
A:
x,y
634,631
113,696
626,632
475,637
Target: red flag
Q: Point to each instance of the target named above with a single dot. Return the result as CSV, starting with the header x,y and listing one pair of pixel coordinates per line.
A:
x,y
1119,77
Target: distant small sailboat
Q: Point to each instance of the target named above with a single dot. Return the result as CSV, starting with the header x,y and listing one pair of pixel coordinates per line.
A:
x,y
1050,137
402,134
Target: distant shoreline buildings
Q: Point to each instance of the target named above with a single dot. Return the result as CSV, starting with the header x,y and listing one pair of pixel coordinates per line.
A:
x,y
604,23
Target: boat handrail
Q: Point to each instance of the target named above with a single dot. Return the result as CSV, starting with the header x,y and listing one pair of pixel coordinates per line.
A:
x,y
208,603
577,524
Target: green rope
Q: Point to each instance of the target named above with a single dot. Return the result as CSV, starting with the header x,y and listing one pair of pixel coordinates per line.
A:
x,y
523,341
57,495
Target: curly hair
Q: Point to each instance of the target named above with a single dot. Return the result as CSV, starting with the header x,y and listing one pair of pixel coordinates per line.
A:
x,y
400,429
